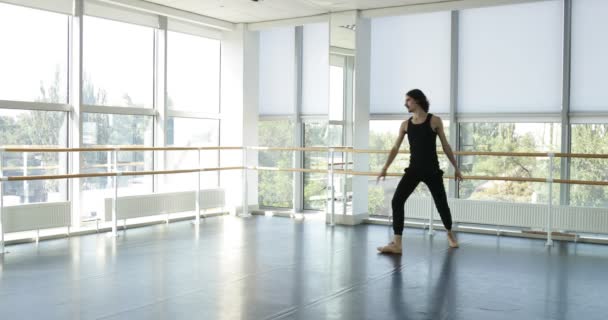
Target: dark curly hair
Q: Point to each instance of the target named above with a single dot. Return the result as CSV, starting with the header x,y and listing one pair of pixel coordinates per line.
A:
x,y
420,98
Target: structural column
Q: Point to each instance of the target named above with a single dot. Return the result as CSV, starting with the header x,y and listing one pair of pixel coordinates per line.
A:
x,y
160,102
454,126
361,119
239,111
565,114
75,100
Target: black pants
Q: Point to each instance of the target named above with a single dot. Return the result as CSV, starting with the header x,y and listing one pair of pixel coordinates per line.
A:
x,y
407,185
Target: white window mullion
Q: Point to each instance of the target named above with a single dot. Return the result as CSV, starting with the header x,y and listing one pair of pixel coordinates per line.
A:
x,y
75,99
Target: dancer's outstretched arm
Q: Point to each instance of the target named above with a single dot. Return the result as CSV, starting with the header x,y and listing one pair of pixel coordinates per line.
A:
x,y
437,124
394,151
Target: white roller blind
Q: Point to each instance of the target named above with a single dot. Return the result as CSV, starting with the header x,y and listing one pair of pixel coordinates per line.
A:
x,y
59,6
277,71
589,89
193,29
410,52
315,69
511,58
108,11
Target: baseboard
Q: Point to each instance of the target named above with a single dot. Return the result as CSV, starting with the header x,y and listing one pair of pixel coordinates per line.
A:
x,y
348,219
109,229
557,236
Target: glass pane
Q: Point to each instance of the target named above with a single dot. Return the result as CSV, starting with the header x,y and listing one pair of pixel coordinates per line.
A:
x,y
382,136
34,56
275,189
316,134
397,67
117,130
511,58
277,71
589,52
315,61
589,138
509,137
183,132
33,128
118,64
336,95
193,73
320,134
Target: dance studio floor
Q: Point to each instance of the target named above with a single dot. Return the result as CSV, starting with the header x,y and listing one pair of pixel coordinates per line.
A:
x,y
279,268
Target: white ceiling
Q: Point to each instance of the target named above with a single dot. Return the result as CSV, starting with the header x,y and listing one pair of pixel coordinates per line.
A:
x,y
267,10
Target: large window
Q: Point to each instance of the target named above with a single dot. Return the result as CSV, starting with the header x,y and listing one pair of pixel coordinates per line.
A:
x,y
34,55
118,130
118,64
33,128
33,69
510,58
275,189
118,71
193,73
185,132
589,138
508,137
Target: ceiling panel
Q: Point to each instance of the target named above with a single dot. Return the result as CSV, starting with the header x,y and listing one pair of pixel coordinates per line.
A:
x,y
267,10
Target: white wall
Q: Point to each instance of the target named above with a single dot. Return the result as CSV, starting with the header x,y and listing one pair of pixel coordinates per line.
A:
x,y
361,115
239,110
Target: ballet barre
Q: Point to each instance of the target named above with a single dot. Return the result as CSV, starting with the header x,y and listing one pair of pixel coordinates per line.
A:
x,y
331,171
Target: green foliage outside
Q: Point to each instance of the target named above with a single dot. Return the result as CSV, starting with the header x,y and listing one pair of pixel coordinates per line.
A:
x,y
49,128
275,189
591,138
315,184
34,128
508,137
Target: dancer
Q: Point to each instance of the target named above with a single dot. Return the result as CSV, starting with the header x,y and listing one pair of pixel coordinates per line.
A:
x,y
422,130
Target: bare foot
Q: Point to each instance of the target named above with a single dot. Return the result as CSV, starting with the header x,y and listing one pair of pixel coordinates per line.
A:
x,y
452,240
394,247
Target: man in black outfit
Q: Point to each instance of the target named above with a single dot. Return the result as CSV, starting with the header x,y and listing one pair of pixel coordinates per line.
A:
x,y
422,130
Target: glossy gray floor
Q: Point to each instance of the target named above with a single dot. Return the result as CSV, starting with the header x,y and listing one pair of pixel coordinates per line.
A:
x,y
278,268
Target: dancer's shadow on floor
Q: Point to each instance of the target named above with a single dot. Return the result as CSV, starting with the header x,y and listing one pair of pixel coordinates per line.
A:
x,y
414,299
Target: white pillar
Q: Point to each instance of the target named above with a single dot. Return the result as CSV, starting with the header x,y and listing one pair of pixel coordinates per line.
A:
x,y
361,119
239,111
75,100
160,103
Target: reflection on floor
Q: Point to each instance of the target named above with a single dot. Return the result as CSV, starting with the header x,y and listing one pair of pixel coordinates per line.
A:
x,y
278,268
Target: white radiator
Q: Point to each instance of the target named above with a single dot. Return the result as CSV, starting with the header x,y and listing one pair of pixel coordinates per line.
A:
x,y
417,207
499,213
36,216
580,219
163,203
524,215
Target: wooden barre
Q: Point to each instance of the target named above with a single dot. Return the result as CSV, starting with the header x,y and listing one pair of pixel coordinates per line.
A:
x,y
113,174
464,153
113,148
309,149
289,169
86,167
492,178
338,172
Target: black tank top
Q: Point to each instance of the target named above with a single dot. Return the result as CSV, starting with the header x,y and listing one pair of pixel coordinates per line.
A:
x,y
423,145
